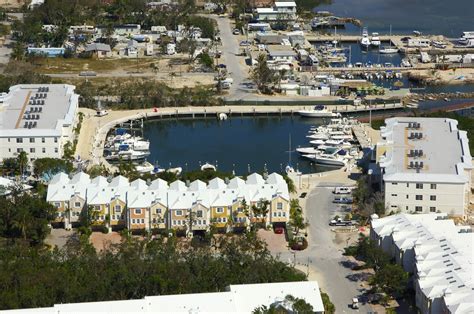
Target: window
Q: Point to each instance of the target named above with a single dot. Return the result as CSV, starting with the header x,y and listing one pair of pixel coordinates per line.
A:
x,y
32,150
279,205
179,213
133,221
394,183
219,219
279,214
118,208
154,220
432,197
77,204
174,222
199,213
32,139
419,197
55,139
432,209
220,210
19,140
158,210
433,186
113,217
418,208
121,217
224,219
394,194
138,211
407,196
55,149
274,214
57,204
19,150
43,140
143,220
43,150
419,186
408,185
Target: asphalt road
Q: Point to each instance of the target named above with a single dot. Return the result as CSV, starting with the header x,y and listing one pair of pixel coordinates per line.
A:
x,y
323,256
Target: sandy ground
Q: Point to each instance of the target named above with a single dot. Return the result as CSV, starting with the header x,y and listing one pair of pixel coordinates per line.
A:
x,y
101,240
454,76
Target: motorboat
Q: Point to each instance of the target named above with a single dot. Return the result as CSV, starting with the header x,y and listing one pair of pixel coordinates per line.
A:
x,y
326,159
365,40
438,44
145,167
375,40
208,166
319,111
134,143
128,155
308,150
317,142
388,50
318,136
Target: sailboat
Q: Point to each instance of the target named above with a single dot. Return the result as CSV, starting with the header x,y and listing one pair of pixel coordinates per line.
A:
x,y
388,50
289,168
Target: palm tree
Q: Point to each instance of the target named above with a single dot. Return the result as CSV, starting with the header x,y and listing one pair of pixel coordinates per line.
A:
x,y
21,220
23,161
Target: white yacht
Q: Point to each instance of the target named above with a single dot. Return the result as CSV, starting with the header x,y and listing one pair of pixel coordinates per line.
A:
x,y
365,41
145,167
375,40
134,142
319,111
308,150
327,159
128,155
388,50
208,166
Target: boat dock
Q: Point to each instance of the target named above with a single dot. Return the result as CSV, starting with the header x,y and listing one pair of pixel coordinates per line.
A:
x,y
365,135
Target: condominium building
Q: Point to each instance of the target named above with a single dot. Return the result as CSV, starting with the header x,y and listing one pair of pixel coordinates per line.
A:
x,y
438,253
425,166
37,119
281,11
235,299
118,203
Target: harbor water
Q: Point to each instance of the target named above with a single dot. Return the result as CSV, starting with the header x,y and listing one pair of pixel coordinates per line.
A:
x,y
239,143
449,18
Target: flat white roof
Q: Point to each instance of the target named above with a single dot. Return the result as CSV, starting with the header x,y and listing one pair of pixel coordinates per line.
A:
x,y
444,150
50,106
285,4
237,299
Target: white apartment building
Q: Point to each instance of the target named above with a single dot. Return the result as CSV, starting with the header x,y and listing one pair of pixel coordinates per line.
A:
x,y
425,166
281,11
235,299
438,253
37,119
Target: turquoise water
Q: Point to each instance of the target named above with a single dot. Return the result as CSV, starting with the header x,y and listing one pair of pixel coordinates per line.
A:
x,y
449,18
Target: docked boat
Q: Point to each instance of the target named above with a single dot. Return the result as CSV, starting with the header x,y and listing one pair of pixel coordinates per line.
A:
x,y
319,111
308,150
375,40
365,40
145,167
208,166
388,50
327,159
127,155
135,143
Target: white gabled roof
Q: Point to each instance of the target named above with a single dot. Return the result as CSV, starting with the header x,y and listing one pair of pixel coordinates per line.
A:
x,y
80,178
158,184
217,184
100,181
255,179
139,184
59,178
178,185
236,183
197,185
119,181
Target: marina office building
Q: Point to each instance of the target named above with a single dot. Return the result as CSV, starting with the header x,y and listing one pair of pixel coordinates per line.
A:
x,y
437,253
37,119
187,207
425,166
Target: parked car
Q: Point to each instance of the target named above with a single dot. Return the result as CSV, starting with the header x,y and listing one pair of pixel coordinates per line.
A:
x,y
245,43
101,113
279,230
342,190
303,195
236,31
343,200
340,222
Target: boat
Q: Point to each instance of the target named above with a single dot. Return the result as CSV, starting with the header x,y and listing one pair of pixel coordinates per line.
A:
x,y
308,150
176,170
365,41
317,142
388,50
319,111
327,159
145,167
208,166
438,44
375,40
127,155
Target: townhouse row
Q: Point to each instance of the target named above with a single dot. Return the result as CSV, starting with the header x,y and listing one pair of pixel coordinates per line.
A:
x,y
139,205
438,253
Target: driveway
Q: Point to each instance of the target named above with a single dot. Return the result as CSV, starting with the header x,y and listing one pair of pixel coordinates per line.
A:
x,y
323,259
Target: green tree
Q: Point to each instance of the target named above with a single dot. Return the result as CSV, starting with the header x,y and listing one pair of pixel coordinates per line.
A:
x,y
391,279
50,166
206,60
329,307
262,75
